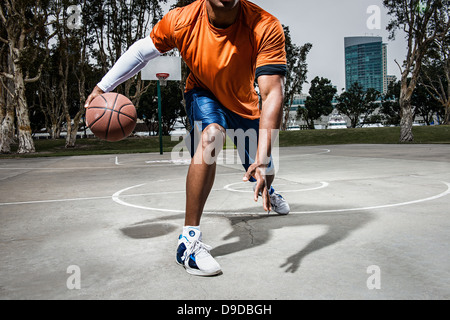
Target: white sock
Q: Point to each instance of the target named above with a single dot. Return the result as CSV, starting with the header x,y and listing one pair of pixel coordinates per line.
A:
x,y
191,232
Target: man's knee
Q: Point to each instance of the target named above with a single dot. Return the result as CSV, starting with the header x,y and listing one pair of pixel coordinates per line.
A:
x,y
213,139
213,134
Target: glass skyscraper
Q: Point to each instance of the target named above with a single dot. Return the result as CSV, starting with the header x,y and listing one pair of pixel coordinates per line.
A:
x,y
365,62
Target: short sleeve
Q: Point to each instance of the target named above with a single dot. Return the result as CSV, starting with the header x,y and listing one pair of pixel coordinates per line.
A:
x,y
271,50
163,32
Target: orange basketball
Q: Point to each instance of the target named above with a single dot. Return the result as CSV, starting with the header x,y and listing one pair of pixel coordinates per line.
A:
x,y
111,117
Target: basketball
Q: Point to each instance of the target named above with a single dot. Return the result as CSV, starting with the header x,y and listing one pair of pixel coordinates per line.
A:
x,y
111,117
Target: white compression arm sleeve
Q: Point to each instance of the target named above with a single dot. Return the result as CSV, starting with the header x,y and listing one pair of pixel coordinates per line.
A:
x,y
129,64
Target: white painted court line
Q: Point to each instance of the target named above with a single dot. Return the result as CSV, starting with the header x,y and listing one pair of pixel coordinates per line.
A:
x,y
92,198
154,163
322,151
230,186
116,199
117,165
443,194
72,168
52,201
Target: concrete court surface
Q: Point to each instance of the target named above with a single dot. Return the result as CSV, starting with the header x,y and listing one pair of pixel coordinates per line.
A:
x,y
366,222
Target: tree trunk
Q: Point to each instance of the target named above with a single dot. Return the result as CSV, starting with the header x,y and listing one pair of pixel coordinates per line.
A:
x,y
26,143
72,130
54,131
71,137
406,112
7,130
447,115
285,118
309,122
406,121
6,117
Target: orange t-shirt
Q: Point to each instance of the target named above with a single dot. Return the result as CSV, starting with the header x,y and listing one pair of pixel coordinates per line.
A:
x,y
224,61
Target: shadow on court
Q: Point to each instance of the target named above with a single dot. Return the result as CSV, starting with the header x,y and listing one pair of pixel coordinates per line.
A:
x,y
253,231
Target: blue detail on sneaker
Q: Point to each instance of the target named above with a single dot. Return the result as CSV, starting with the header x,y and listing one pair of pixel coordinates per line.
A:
x,y
180,252
192,233
194,256
192,262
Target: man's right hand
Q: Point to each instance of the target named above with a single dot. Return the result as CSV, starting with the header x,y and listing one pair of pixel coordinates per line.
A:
x,y
95,93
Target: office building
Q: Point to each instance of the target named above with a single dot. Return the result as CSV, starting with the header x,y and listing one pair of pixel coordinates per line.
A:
x,y
366,63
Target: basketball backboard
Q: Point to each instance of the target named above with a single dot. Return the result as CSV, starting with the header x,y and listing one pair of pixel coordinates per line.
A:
x,y
163,64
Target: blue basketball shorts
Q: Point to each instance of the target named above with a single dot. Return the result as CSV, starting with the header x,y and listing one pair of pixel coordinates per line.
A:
x,y
203,109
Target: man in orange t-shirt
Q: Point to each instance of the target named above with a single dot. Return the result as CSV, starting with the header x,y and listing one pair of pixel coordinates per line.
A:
x,y
227,45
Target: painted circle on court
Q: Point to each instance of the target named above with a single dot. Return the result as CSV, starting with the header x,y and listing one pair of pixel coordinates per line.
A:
x,y
120,196
281,187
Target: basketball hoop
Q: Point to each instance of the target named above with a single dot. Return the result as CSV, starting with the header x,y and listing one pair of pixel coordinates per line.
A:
x,y
162,77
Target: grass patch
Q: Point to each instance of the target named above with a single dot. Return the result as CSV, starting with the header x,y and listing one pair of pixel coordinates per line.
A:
x,y
422,135
387,135
56,148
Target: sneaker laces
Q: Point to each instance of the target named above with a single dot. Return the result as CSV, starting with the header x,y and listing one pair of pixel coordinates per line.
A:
x,y
276,198
196,248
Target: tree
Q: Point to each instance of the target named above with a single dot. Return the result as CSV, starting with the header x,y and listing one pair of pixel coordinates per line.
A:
x,y
181,3
296,72
423,22
390,107
356,103
171,97
119,24
72,50
26,37
116,25
424,104
319,101
435,74
49,94
7,114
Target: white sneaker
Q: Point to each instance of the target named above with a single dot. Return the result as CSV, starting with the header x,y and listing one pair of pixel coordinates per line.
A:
x,y
279,204
194,255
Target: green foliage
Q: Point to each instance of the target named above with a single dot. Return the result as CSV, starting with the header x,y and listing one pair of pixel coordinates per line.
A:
x,y
422,101
319,101
386,135
297,69
390,106
423,23
355,102
171,107
425,105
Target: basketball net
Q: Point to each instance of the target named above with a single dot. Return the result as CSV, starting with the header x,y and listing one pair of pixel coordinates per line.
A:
x,y
162,77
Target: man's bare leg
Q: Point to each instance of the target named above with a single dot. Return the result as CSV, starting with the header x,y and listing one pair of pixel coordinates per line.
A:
x,y
202,172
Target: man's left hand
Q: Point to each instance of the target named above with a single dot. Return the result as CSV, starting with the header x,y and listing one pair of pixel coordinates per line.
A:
x,y
258,171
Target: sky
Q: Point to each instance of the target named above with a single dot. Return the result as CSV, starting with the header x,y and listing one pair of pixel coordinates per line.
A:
x,y
325,23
